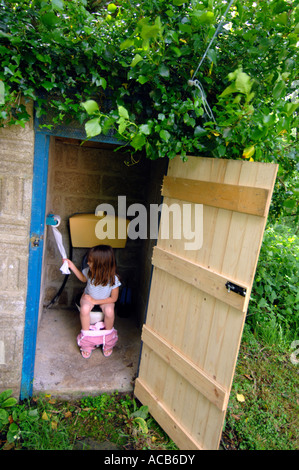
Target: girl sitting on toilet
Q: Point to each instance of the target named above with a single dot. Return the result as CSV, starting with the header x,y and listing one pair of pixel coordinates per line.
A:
x,y
102,289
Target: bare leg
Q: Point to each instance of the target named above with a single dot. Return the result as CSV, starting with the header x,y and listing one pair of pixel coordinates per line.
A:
x,y
85,309
108,310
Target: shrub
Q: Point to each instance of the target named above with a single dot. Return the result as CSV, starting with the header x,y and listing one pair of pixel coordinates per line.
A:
x,y
273,308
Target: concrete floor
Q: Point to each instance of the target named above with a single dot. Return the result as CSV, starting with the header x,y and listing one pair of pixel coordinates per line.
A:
x,y
61,371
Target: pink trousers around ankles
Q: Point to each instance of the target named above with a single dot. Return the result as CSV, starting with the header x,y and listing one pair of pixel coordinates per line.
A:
x,y
97,336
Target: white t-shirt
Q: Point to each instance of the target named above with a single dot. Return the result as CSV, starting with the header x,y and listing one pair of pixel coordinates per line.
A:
x,y
99,292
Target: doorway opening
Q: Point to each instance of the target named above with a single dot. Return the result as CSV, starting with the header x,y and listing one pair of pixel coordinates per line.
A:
x,y
80,177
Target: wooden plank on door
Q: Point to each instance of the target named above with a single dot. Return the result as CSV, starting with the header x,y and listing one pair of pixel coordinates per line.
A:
x,y
213,283
247,199
194,324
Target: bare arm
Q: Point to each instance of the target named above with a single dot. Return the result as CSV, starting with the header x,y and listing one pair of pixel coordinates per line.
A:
x,y
76,271
109,300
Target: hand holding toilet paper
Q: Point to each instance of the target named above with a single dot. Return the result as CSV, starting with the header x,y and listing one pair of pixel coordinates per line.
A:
x,y
58,237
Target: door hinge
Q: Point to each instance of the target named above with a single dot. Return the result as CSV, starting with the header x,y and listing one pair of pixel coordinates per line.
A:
x,y
235,288
35,239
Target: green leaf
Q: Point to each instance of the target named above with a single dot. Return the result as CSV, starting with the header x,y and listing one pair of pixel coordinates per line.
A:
x,y
221,150
243,83
4,35
290,203
13,432
48,85
278,89
203,17
58,5
103,83
163,71
136,59
199,131
269,119
13,428
4,395
142,424
165,135
145,129
142,412
122,124
3,416
248,152
230,89
176,51
90,106
290,108
169,13
126,44
262,303
93,127
212,55
150,31
33,414
282,18
40,57
142,79
49,19
29,92
123,112
9,402
138,141
108,124
111,7
188,120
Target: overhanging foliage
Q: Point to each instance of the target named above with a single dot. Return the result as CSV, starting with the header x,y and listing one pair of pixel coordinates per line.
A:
x,y
141,56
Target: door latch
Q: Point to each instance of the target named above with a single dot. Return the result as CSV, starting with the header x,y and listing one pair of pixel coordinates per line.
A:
x,y
235,288
35,239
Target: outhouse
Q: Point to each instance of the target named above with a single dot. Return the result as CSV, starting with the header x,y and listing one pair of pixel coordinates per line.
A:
x,y
189,284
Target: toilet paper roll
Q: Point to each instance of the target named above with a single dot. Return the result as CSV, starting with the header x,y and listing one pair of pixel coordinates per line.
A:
x,y
58,238
58,220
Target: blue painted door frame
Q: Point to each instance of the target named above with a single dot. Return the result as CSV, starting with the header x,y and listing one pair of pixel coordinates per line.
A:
x,y
37,226
36,243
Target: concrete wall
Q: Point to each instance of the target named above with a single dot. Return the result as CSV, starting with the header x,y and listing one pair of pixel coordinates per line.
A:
x,y
16,171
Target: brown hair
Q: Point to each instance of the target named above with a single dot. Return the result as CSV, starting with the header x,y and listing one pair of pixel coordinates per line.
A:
x,y
102,269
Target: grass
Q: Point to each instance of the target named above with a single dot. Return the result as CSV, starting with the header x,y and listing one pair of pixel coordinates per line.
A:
x,y
46,423
262,413
264,405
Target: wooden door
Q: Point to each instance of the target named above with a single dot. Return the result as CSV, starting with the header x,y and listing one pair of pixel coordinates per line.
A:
x,y
198,298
